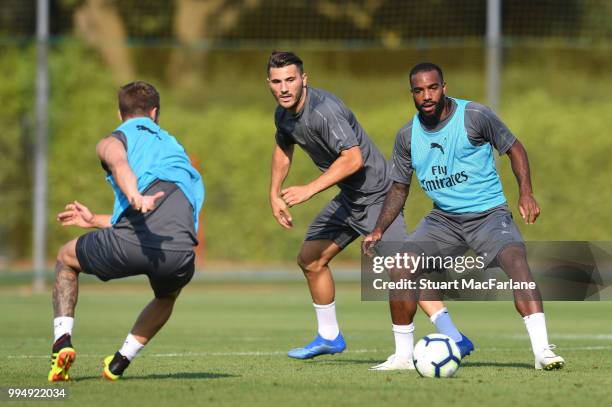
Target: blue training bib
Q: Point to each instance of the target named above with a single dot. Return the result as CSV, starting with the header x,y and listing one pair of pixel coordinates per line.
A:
x,y
458,176
154,154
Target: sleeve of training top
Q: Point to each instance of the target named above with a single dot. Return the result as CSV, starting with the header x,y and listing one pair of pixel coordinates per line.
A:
x,y
119,135
401,159
330,119
283,140
484,126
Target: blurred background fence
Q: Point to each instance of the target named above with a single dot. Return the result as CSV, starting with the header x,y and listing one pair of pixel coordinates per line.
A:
x,y
208,57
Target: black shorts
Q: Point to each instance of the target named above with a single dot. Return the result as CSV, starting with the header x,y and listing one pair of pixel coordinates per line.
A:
x,y
109,257
343,222
446,234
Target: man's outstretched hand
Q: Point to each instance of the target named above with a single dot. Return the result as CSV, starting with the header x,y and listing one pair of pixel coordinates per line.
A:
x,y
77,214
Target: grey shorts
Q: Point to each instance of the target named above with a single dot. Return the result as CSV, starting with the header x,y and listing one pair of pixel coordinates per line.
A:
x,y
108,257
344,222
447,234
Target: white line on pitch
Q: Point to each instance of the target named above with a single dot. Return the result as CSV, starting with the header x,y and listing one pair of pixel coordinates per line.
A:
x,y
560,348
568,337
256,353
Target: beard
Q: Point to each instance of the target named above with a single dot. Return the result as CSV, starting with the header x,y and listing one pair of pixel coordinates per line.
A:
x,y
434,117
298,98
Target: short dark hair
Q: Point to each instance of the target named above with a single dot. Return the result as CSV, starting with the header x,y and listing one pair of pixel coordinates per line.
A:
x,y
137,99
426,67
279,59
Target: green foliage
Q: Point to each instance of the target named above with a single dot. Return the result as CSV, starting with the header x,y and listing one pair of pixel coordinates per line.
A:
x,y
82,111
16,119
388,22
556,102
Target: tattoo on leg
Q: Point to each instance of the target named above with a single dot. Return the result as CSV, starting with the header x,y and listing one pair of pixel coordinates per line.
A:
x,y
65,291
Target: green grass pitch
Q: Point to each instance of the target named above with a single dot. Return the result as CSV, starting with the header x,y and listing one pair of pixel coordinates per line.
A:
x,y
226,345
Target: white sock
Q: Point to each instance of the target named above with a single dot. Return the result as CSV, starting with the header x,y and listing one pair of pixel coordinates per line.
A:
x,y
326,321
130,347
536,327
444,324
404,340
61,326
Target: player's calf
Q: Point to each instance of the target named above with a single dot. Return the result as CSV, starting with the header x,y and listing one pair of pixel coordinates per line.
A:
x,y
65,291
63,354
150,321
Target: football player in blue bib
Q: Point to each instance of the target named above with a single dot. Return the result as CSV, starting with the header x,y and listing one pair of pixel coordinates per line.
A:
x,y
449,145
152,230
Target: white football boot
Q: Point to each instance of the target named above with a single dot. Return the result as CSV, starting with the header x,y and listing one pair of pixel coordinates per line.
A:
x,y
395,363
547,360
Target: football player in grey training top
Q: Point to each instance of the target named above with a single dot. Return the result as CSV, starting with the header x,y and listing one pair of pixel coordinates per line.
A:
x,y
329,133
448,144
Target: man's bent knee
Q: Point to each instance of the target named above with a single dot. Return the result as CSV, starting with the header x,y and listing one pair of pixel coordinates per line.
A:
x,y
314,256
170,296
311,265
67,256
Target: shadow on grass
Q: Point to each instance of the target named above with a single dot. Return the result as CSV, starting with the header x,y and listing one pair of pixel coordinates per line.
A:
x,y
179,376
497,364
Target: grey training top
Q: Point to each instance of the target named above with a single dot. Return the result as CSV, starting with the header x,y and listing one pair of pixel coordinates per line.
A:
x,y
169,226
323,129
482,126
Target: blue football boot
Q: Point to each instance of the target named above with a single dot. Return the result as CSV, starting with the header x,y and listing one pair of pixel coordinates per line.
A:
x,y
319,346
465,346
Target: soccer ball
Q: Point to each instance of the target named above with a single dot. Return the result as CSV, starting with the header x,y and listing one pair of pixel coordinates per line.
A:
x,y
436,355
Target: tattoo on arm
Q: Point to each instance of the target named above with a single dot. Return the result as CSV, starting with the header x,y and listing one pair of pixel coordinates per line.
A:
x,y
394,203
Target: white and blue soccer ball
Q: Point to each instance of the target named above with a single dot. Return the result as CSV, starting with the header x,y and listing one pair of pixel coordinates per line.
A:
x,y
436,355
